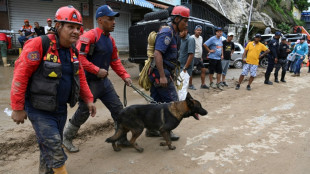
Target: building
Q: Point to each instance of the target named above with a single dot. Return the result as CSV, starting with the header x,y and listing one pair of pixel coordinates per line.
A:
x,y
13,13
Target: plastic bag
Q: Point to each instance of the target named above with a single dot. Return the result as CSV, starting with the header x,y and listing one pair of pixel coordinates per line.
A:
x,y
185,80
291,57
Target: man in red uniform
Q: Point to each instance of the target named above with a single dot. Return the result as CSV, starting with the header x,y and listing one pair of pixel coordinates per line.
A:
x,y
47,76
98,52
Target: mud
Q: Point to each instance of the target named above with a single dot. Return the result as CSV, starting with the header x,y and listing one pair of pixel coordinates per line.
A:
x,y
265,130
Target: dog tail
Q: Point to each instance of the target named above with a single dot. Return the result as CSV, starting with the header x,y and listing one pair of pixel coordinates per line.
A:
x,y
118,133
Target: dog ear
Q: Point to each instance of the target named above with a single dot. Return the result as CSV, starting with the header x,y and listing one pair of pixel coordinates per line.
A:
x,y
188,96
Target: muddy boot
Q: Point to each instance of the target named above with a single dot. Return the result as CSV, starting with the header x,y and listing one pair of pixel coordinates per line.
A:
x,y
174,137
5,62
60,170
69,132
152,133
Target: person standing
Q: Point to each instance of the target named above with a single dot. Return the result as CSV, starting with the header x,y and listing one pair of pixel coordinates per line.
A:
x,y
186,52
198,61
273,46
166,61
214,46
48,76
26,32
96,64
228,50
300,51
282,62
4,49
38,30
251,57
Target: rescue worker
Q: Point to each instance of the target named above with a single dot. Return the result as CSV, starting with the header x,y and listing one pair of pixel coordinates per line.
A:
x,y
282,62
97,65
47,76
166,61
273,46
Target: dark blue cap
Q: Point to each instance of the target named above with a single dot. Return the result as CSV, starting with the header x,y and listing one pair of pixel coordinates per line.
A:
x,y
283,38
105,10
218,29
258,35
278,33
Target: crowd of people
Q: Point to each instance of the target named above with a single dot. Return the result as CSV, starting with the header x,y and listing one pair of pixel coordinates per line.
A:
x,y
68,67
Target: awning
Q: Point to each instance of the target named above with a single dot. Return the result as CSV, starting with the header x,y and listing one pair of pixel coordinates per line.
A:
x,y
159,5
141,3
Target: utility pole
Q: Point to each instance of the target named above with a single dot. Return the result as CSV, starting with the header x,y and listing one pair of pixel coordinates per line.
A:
x,y
246,39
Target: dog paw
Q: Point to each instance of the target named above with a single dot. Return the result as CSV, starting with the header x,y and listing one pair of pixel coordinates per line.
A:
x,y
163,144
140,149
117,149
172,147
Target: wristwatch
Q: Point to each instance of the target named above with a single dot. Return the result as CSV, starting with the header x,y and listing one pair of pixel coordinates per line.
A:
x,y
185,68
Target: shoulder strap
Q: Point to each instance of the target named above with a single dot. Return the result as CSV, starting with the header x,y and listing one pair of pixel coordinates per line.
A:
x,y
75,50
96,34
45,44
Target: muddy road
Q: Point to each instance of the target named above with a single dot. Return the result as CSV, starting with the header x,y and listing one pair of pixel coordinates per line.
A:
x,y
263,131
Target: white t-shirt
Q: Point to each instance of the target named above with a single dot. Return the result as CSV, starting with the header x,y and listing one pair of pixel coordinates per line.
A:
x,y
46,28
198,47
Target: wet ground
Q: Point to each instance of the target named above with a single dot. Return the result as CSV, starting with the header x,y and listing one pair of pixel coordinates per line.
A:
x,y
262,131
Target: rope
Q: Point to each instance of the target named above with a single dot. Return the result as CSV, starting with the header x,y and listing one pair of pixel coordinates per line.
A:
x,y
145,96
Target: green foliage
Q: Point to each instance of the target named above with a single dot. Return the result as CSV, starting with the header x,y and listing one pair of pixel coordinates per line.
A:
x,y
302,4
284,27
275,4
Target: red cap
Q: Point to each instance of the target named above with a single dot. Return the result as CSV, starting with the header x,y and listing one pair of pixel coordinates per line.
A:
x,y
181,11
68,14
26,20
49,19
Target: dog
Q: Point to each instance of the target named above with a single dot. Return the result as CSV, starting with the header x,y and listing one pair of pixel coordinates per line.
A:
x,y
162,117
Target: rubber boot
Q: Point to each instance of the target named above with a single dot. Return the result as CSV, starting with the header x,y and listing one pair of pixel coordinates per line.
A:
x,y
69,133
282,77
267,82
122,141
60,170
5,62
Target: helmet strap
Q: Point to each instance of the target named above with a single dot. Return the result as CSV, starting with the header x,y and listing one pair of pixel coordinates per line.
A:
x,y
177,23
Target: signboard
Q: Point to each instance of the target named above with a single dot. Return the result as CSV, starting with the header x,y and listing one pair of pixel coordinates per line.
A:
x,y
171,2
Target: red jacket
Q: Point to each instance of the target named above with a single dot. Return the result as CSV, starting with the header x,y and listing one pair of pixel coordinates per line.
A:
x,y
27,64
3,37
89,38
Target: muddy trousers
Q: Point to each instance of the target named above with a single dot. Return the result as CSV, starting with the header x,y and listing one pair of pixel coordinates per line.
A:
x,y
49,128
282,63
104,91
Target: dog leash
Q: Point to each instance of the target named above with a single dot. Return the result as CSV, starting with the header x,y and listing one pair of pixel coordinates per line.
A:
x,y
145,96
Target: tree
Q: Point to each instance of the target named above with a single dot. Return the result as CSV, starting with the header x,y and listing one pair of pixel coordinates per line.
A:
x,y
302,4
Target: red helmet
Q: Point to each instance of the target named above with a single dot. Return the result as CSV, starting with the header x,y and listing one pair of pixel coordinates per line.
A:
x,y
180,11
68,14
